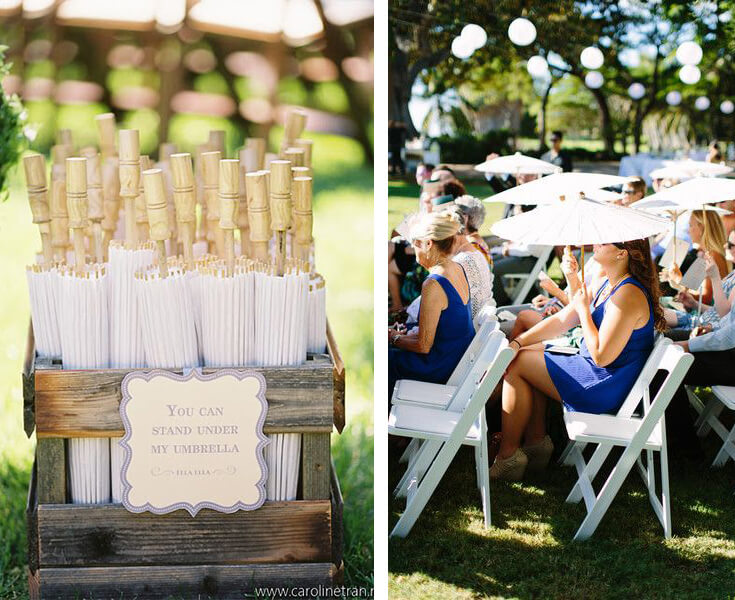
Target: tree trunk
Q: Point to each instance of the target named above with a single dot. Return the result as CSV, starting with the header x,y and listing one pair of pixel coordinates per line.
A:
x,y
542,117
608,132
399,91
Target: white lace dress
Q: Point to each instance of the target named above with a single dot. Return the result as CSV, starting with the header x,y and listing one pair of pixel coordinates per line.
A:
x,y
480,278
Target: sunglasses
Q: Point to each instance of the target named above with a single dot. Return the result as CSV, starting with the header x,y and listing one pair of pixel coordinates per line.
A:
x,y
730,245
628,192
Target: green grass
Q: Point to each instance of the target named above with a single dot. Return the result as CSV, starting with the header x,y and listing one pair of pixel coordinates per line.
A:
x,y
529,552
343,217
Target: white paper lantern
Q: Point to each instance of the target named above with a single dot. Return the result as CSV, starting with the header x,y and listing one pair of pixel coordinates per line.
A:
x,y
591,58
522,32
689,53
725,17
636,91
474,35
594,80
702,103
461,49
673,98
727,107
689,74
537,66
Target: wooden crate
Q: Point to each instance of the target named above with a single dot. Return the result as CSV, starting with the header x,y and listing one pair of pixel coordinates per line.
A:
x,y
78,551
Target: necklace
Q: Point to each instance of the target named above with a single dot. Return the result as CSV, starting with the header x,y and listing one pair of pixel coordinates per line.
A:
x,y
611,287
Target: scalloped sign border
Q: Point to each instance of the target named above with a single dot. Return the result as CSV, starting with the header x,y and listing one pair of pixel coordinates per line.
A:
x,y
193,509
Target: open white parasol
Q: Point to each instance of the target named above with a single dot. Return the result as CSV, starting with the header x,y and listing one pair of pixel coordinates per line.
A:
x,y
548,190
579,221
517,164
697,168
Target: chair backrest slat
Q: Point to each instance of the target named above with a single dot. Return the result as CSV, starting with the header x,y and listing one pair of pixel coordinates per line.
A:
x,y
644,379
473,350
487,355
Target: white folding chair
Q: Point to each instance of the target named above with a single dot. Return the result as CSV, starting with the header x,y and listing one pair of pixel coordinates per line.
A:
x,y
638,392
525,281
447,430
723,396
634,435
437,395
487,312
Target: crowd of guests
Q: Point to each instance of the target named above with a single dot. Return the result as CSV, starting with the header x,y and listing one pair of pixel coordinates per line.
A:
x,y
612,318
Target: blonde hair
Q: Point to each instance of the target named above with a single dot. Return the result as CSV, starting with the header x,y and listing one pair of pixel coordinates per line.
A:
x,y
436,226
714,237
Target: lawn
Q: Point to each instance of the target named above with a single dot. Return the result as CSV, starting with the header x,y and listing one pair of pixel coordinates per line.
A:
x,y
529,553
343,210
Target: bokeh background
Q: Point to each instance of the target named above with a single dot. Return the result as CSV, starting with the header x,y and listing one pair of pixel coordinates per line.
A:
x,y
174,69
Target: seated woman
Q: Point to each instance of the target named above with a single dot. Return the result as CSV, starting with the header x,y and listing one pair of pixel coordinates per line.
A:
x,y
713,241
618,330
445,324
680,322
474,216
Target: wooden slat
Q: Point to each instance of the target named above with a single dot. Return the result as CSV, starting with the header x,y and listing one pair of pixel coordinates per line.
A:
x,y
109,535
32,523
199,581
337,520
34,585
315,466
51,469
29,383
86,403
338,376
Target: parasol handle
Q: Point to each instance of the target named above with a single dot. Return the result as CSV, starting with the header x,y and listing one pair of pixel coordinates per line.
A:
x,y
129,165
35,169
182,174
581,268
216,140
76,202
110,200
65,138
141,209
248,164
294,127
106,129
157,209
257,145
259,216
295,156
280,202
57,202
95,202
307,146
210,184
303,218
165,150
229,194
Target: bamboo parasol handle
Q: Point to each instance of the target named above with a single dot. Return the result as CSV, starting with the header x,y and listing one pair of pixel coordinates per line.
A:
x,y
280,202
303,217
129,144
258,214
106,128
229,193
157,208
35,170
182,174
210,184
76,202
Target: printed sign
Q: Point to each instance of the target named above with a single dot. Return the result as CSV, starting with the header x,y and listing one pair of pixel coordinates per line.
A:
x,y
193,441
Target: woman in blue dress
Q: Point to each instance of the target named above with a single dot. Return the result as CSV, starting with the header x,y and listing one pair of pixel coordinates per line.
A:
x,y
618,322
445,322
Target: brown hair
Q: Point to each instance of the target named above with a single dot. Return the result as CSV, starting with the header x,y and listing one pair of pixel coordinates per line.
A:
x,y
453,188
638,185
640,266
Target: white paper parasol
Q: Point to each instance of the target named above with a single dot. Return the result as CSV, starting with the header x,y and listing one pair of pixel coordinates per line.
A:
x,y
317,338
517,164
697,168
84,325
548,189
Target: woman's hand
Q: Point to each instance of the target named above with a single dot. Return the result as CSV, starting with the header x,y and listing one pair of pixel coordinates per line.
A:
x,y
581,301
551,310
687,300
540,301
711,269
569,265
701,330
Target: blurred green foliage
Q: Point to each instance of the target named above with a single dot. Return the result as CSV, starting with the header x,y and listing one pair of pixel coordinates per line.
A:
x,y
12,136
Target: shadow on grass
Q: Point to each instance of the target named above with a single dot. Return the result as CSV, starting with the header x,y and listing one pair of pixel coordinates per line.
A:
x,y
529,552
13,546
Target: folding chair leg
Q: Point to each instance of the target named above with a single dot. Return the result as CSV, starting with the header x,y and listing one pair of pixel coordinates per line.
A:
x,y
478,461
566,459
665,499
418,466
607,494
711,411
727,450
426,488
593,466
410,450
483,469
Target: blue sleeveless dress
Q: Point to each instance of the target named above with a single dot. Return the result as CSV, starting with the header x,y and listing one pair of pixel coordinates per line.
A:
x,y
585,387
454,332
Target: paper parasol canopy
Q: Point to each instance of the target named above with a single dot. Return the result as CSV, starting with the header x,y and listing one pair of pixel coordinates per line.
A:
x,y
548,189
577,222
698,191
697,168
517,164
660,206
